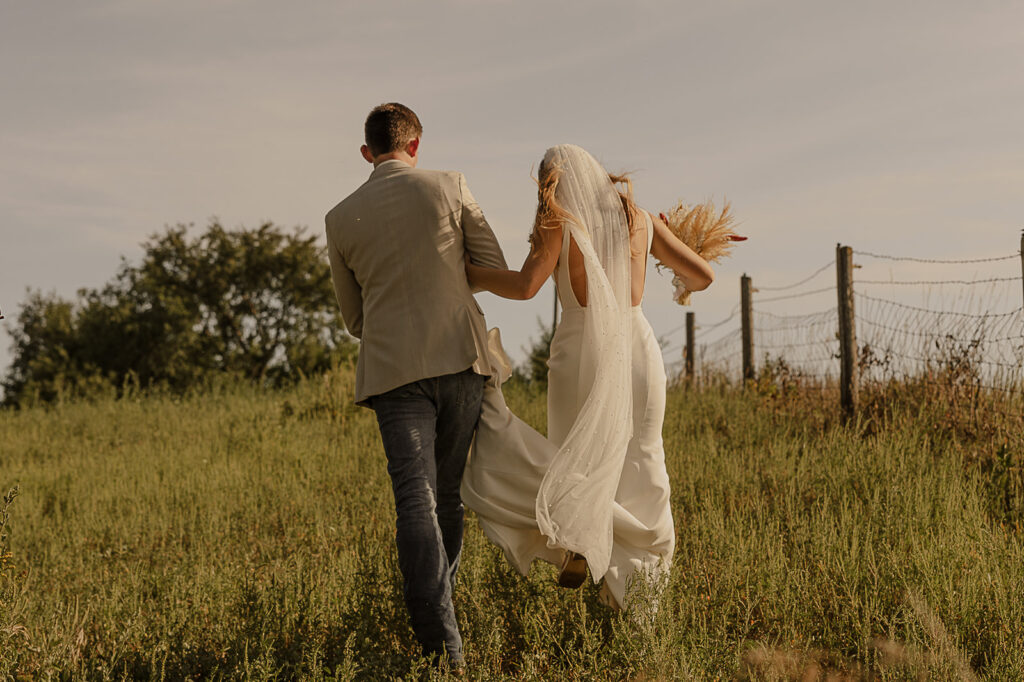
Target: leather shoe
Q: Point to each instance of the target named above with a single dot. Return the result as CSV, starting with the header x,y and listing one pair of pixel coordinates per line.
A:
x,y
573,571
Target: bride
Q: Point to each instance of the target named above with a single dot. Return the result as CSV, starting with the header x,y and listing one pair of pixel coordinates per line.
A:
x,y
594,493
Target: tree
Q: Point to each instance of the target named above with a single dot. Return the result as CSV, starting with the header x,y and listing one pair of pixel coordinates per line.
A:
x,y
48,357
256,303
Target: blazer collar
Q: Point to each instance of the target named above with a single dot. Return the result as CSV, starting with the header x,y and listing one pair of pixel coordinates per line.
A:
x,y
390,167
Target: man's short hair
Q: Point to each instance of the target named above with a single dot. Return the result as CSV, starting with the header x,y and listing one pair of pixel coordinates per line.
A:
x,y
390,127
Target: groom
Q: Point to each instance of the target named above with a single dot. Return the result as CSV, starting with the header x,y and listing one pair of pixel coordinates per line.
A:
x,y
396,247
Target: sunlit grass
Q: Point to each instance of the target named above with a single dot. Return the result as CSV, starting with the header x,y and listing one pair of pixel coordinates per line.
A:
x,y
248,534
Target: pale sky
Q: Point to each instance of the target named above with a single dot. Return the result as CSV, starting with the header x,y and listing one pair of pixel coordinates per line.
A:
x,y
892,127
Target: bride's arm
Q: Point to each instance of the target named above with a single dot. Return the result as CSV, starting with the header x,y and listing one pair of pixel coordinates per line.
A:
x,y
525,283
693,270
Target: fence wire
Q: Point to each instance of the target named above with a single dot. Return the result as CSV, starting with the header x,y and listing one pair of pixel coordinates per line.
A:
x,y
723,355
936,321
972,326
794,285
803,344
965,329
799,344
936,261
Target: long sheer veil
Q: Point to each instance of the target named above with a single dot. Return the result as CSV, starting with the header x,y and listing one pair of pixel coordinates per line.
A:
x,y
575,501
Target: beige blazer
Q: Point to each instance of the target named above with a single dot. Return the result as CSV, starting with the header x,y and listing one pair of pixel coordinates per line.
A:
x,y
396,248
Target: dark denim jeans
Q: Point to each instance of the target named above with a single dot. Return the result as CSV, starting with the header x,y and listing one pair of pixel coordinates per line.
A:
x,y
427,427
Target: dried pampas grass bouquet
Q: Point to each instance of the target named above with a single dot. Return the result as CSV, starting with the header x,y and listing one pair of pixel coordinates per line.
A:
x,y
706,230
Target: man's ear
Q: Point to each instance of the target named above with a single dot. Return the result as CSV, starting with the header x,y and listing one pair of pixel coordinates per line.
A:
x,y
413,147
367,154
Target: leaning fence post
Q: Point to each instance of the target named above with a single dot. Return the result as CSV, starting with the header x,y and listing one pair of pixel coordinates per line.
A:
x,y
690,346
747,320
847,331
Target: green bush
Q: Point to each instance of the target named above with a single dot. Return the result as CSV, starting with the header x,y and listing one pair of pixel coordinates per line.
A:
x,y
252,303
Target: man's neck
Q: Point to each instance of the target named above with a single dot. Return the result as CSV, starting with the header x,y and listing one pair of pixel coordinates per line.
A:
x,y
402,156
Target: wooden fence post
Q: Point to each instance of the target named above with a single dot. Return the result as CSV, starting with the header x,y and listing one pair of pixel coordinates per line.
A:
x,y
747,319
847,331
1022,258
691,346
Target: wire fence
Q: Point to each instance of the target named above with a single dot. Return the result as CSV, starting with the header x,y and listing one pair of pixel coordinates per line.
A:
x,y
958,326
928,319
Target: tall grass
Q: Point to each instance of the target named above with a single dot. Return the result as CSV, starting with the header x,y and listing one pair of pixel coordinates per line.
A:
x,y
247,534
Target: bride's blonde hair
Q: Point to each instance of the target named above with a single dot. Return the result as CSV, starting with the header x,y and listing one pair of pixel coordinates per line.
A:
x,y
551,215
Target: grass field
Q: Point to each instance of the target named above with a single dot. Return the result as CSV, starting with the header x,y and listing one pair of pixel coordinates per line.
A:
x,y
249,534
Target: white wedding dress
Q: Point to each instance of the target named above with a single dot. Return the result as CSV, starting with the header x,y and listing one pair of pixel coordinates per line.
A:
x,y
597,484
